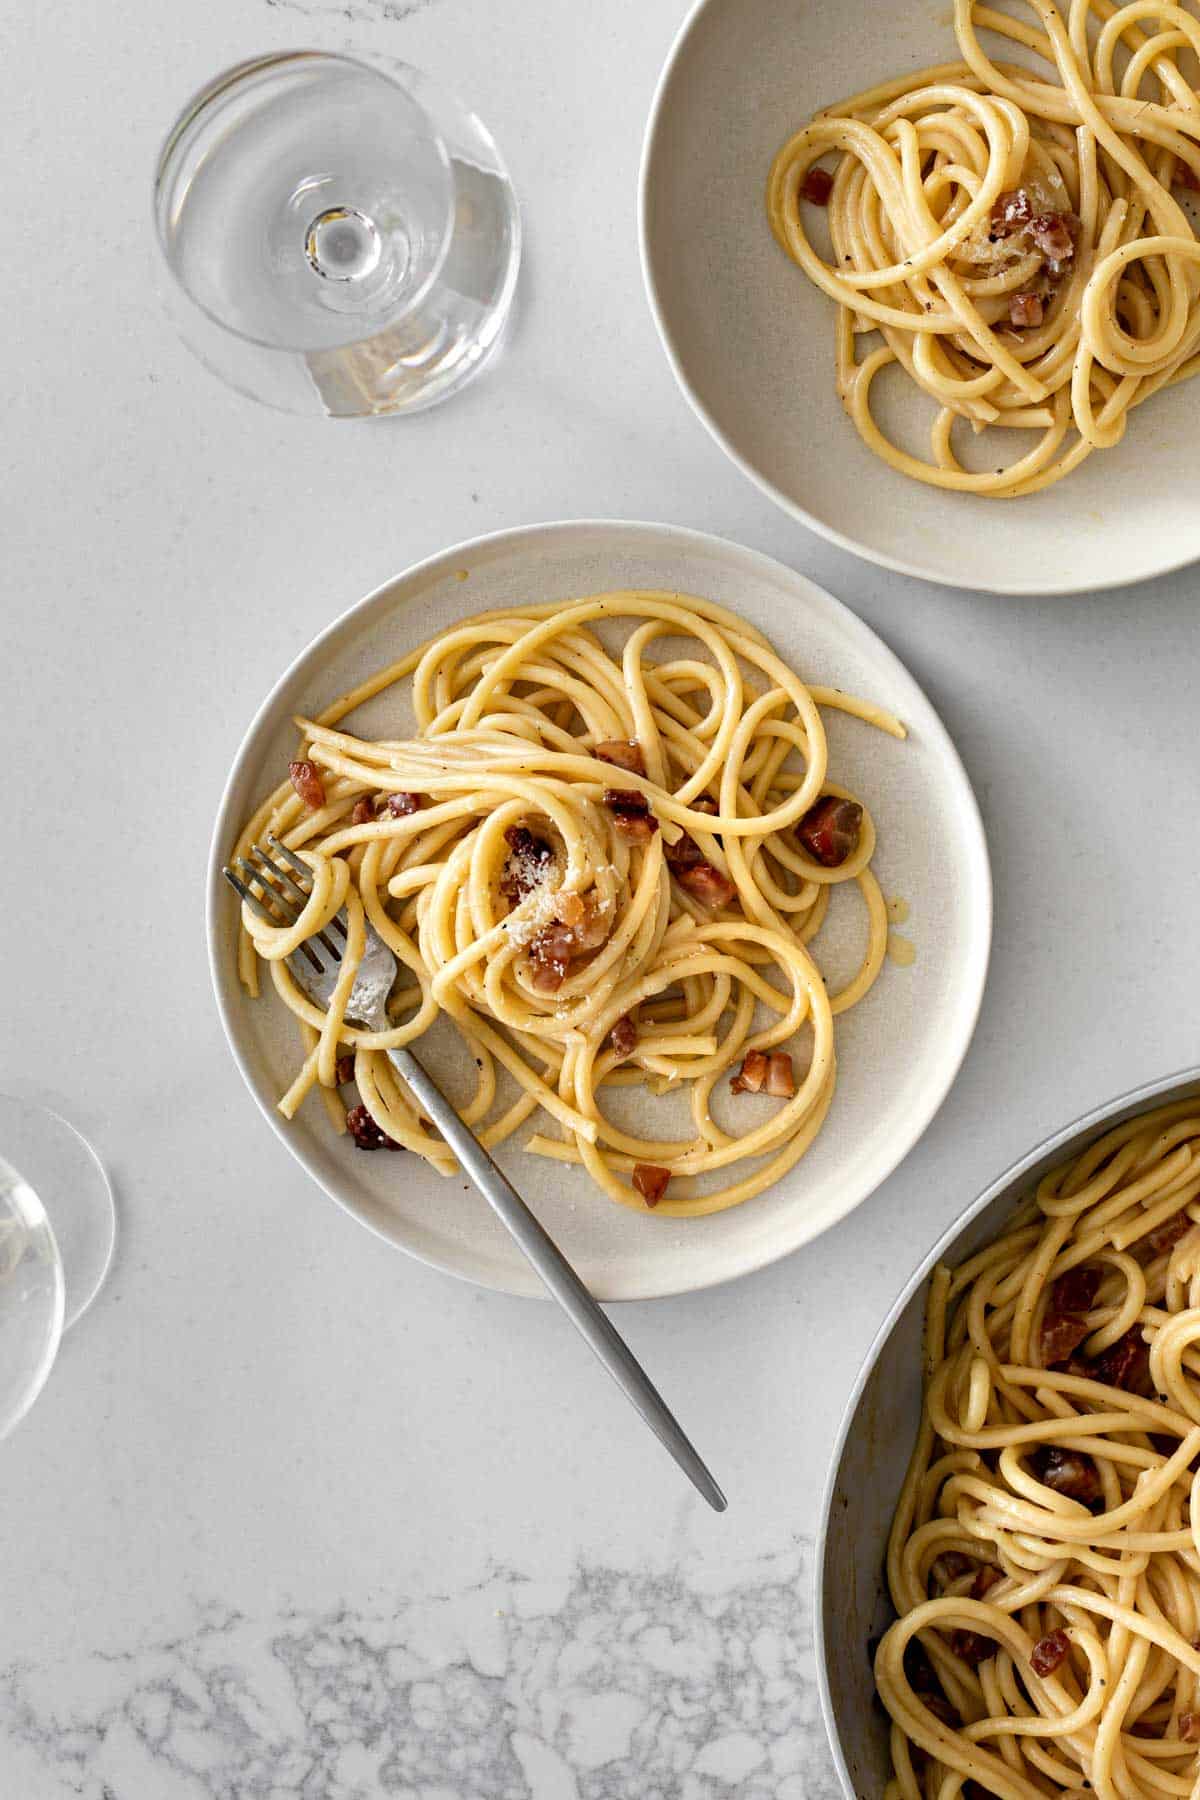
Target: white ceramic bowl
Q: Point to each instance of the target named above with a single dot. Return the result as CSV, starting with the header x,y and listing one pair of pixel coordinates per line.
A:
x,y
751,340
897,1052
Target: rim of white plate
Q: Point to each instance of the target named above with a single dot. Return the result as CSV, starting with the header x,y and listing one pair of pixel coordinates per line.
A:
x,y
975,847
900,565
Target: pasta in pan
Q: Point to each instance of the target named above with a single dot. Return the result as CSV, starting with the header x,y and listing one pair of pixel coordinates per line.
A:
x,y
608,870
1045,1554
1014,234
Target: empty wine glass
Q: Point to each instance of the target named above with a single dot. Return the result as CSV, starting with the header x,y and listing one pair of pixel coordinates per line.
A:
x,y
341,233
57,1231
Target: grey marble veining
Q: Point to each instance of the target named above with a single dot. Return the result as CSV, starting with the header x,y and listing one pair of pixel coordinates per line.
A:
x,y
686,1685
371,11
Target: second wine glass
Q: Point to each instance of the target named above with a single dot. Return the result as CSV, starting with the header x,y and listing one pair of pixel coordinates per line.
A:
x,y
341,234
57,1233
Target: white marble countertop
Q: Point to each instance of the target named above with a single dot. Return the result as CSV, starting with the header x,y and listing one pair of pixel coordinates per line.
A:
x,y
295,1516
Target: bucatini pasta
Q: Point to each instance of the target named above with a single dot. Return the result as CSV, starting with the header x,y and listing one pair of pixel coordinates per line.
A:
x,y
1045,1555
1013,233
607,868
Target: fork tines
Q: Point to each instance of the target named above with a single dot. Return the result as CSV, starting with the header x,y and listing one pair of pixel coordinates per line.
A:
x,y
282,896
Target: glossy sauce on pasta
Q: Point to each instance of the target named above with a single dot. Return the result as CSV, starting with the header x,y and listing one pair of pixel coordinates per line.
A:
x,y
1044,1559
592,858
1013,233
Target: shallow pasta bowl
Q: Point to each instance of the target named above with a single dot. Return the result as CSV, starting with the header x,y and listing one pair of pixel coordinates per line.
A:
x,y
876,1439
897,1051
751,340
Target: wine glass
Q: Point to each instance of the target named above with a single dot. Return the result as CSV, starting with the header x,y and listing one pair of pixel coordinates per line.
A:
x,y
57,1232
341,234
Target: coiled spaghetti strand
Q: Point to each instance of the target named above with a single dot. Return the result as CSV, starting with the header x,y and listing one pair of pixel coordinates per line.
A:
x,y
1082,1504
521,717
979,314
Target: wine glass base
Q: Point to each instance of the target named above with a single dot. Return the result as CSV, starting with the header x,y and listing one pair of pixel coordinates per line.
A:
x,y
69,1180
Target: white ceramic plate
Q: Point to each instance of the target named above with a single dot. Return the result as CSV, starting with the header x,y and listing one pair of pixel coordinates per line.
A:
x,y
751,340
897,1052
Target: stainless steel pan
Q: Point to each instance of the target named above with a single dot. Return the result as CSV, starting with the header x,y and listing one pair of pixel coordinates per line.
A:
x,y
872,1453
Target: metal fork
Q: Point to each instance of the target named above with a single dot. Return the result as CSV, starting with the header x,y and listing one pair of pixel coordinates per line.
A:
x,y
284,882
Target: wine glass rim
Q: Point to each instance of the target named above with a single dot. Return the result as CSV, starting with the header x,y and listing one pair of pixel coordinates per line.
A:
x,y
28,1205
390,68
82,1292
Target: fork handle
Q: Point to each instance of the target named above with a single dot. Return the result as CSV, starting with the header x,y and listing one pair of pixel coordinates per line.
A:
x,y
558,1275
